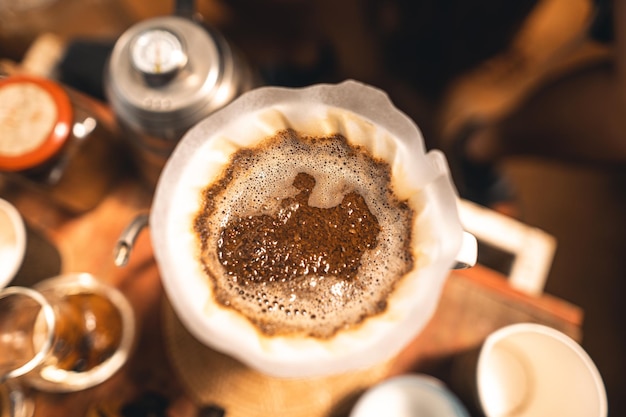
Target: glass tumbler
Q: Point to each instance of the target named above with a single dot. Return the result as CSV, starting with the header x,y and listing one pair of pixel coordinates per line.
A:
x,y
65,334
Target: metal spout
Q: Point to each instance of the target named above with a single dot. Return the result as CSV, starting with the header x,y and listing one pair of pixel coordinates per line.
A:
x,y
126,241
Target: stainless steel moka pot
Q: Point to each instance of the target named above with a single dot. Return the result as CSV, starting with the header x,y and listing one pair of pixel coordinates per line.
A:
x,y
164,75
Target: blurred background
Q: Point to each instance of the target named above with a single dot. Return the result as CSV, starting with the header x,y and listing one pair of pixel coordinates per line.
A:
x,y
527,98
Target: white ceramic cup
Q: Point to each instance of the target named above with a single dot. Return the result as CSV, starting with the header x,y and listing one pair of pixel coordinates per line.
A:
x,y
527,370
12,242
415,395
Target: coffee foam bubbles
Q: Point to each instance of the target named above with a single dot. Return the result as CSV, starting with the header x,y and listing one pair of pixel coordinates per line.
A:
x,y
315,304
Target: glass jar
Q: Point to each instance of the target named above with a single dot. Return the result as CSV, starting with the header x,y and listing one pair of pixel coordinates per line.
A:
x,y
52,142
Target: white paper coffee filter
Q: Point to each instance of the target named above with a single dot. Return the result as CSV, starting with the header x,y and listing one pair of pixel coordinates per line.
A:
x,y
365,116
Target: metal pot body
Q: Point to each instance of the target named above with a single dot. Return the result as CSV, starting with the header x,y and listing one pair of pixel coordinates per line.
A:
x,y
164,75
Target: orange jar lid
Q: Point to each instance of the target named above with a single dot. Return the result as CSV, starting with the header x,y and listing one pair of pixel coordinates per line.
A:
x,y
35,121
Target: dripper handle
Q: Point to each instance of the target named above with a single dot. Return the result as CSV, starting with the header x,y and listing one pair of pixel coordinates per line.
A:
x,y
468,254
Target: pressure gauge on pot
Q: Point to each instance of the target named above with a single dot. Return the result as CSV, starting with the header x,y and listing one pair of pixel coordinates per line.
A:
x,y
158,54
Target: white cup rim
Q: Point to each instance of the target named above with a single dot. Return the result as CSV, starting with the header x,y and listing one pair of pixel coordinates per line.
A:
x,y
416,389
509,331
18,244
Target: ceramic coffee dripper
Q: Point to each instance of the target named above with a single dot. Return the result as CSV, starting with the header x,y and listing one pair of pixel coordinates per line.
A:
x,y
366,117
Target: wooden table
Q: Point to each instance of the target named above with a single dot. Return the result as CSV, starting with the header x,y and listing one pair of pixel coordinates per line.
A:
x,y
475,302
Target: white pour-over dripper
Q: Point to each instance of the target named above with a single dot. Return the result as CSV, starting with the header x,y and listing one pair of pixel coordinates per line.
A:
x,y
362,114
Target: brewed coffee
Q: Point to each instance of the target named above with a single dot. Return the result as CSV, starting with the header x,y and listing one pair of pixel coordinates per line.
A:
x,y
304,235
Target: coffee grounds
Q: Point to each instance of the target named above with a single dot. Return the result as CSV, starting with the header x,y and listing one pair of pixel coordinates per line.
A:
x,y
300,239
